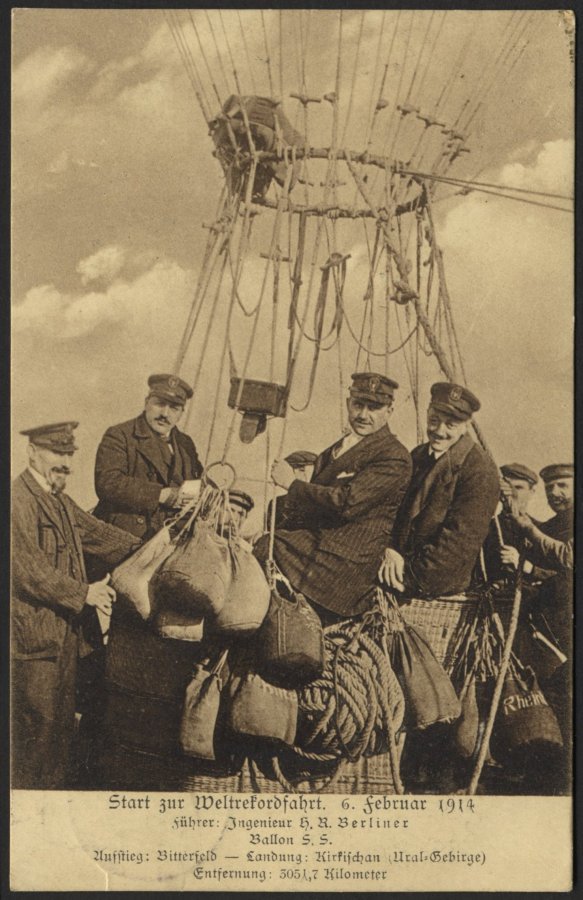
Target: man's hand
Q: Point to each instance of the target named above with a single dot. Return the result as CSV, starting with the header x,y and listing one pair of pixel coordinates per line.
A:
x,y
101,596
392,570
168,497
189,491
509,556
282,473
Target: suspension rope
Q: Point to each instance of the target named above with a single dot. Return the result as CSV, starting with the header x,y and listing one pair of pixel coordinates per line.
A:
x,y
274,243
248,55
353,79
204,57
189,65
268,55
219,54
450,179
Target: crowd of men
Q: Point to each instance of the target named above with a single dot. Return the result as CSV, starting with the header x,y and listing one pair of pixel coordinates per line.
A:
x,y
429,524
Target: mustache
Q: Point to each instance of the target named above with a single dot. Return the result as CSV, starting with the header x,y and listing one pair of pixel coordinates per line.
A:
x,y
163,420
61,470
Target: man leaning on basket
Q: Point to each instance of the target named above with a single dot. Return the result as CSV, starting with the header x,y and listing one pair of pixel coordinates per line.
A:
x,y
436,540
446,511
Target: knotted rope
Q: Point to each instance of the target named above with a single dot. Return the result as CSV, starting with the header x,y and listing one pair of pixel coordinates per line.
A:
x,y
356,707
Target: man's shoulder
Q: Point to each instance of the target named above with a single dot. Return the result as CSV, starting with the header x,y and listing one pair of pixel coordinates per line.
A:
x,y
388,444
479,458
122,428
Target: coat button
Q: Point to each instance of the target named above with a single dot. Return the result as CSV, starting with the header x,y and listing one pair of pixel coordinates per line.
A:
x,y
140,520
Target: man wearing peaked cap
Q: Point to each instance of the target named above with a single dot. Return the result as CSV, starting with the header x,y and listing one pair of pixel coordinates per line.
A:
x,y
336,524
550,547
50,597
146,467
451,499
504,542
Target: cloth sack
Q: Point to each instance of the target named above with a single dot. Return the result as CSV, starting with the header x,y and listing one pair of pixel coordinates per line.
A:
x,y
524,718
196,578
468,724
247,598
430,696
201,709
171,624
290,642
258,709
132,578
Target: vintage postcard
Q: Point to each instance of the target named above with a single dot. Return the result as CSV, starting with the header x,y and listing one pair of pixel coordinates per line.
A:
x,y
292,501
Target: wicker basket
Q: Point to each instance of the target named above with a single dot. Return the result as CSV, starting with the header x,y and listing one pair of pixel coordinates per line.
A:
x,y
441,620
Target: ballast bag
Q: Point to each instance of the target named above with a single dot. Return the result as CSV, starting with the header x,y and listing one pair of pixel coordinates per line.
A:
x,y
261,710
430,696
196,578
201,708
171,624
132,578
524,718
467,726
247,598
291,642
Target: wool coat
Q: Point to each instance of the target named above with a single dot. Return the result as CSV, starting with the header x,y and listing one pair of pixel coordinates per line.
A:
x,y
49,587
350,505
131,470
444,518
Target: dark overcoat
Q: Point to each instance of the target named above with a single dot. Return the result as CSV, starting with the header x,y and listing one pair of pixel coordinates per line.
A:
x,y
49,587
350,505
130,472
444,518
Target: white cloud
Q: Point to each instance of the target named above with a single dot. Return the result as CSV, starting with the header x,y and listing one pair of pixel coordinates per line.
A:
x,y
45,71
139,305
105,264
551,171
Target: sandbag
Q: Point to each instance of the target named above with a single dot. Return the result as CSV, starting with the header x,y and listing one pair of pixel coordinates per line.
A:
x,y
196,578
178,626
247,599
201,709
430,696
132,578
524,718
468,724
290,642
258,709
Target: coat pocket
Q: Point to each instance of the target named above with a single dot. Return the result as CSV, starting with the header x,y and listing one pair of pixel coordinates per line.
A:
x,y
37,631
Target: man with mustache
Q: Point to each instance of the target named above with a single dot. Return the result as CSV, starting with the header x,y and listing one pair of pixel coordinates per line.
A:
x,y
446,512
50,535
330,547
146,467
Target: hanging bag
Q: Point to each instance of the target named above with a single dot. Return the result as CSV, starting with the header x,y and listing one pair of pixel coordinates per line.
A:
x,y
171,624
247,598
291,640
258,709
196,578
524,718
201,708
430,696
132,578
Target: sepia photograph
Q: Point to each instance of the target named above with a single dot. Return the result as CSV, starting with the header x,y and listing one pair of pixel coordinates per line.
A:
x,y
292,507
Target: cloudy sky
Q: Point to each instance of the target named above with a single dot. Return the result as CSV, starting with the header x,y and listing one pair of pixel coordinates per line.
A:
x,y
113,178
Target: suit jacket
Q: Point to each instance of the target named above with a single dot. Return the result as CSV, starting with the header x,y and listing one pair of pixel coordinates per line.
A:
x,y
49,582
444,517
350,504
130,472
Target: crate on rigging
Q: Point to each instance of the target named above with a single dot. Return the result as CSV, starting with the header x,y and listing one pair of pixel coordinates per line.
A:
x,y
256,400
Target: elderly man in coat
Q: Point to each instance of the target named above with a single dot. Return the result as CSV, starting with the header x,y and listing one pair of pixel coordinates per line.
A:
x,y
350,504
446,512
145,467
50,535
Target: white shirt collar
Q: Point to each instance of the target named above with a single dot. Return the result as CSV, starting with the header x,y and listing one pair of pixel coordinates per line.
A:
x,y
47,488
347,442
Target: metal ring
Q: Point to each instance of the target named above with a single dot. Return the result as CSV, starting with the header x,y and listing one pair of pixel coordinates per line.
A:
x,y
226,485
